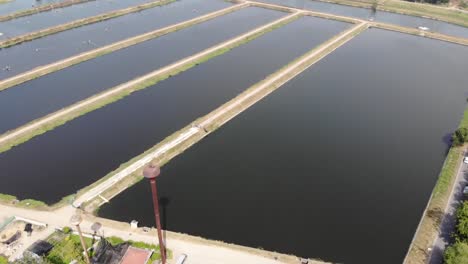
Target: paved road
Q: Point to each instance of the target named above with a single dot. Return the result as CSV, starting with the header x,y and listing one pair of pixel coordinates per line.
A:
x,y
449,221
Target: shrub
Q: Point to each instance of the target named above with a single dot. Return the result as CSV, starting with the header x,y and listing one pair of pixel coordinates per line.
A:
x,y
66,229
462,222
456,253
460,136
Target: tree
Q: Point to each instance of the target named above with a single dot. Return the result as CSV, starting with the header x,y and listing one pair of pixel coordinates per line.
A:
x,y
460,136
462,222
456,253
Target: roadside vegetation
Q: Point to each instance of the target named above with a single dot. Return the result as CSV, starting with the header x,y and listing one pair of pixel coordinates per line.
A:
x,y
458,251
79,23
430,222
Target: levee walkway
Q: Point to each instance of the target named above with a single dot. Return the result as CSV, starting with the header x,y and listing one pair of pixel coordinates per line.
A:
x,y
207,124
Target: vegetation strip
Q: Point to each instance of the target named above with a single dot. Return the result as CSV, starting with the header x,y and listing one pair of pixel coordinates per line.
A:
x,y
39,9
80,22
88,55
207,124
60,117
410,8
429,226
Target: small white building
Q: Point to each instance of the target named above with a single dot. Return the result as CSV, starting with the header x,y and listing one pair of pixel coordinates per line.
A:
x,y
134,224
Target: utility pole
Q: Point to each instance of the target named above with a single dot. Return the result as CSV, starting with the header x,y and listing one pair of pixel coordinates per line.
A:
x,y
76,221
151,172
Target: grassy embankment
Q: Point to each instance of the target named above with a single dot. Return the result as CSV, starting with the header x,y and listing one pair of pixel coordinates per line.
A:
x,y
79,23
56,66
432,217
4,1
413,9
38,9
33,204
142,85
217,122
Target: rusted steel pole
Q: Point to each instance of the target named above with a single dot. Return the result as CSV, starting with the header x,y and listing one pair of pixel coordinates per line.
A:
x,y
83,244
151,172
76,221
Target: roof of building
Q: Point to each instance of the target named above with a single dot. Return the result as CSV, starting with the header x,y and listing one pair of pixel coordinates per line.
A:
x,y
136,256
40,247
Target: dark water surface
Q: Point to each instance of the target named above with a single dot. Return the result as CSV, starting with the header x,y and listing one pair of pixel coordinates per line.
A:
x,y
54,47
59,16
36,98
381,16
72,156
18,5
338,164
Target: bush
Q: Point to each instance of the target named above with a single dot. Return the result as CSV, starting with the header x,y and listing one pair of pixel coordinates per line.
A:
x,y
462,222
460,136
456,253
66,229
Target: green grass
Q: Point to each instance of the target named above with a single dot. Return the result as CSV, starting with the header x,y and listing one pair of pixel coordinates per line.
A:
x,y
31,203
67,247
7,198
3,260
